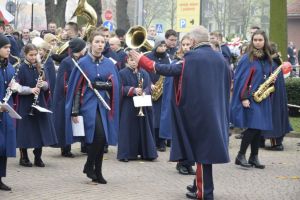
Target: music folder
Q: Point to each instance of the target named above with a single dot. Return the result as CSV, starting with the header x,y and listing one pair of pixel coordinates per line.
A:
x,y
142,101
41,109
78,128
11,112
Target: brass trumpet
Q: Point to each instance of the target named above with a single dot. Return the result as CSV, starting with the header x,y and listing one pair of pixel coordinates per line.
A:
x,y
141,83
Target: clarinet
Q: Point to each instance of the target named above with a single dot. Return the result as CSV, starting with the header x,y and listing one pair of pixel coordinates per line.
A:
x,y
36,96
9,90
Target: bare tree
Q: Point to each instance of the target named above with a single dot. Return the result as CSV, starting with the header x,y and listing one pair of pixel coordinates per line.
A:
x,y
154,9
122,16
97,5
56,13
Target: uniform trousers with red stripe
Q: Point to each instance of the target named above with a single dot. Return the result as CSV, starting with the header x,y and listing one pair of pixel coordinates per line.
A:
x,y
204,181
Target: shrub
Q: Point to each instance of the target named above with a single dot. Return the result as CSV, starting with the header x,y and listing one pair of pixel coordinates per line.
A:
x,y
293,94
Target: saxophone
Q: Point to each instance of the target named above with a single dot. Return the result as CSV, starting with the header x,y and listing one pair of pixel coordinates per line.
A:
x,y
157,92
265,89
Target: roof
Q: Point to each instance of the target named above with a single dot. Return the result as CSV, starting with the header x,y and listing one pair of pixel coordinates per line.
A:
x,y
293,8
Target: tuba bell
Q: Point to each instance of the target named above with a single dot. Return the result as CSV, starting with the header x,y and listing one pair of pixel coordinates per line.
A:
x,y
136,37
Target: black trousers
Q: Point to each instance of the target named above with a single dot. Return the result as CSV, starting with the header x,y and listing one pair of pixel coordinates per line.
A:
x,y
250,136
66,149
3,163
160,142
96,148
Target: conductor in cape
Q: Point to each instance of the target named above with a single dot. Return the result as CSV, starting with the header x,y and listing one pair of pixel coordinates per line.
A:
x,y
101,125
203,104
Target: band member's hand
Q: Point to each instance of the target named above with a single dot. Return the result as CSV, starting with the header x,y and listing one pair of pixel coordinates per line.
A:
x,y
153,87
35,91
15,86
138,91
40,83
75,120
2,109
136,56
246,103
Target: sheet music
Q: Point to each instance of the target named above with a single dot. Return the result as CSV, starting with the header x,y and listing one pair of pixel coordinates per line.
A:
x,y
11,112
41,109
78,128
142,101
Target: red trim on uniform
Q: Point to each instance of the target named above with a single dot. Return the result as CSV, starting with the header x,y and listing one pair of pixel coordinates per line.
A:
x,y
112,100
199,181
130,92
147,64
83,90
178,86
249,80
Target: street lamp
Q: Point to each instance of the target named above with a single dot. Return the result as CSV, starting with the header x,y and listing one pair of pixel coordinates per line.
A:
x,y
32,5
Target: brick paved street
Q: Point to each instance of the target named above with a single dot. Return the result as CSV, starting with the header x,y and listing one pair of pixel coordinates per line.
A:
x,y
62,178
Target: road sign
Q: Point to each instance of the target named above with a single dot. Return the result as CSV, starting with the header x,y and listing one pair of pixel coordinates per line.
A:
x,y
182,23
187,14
159,28
108,25
108,14
11,7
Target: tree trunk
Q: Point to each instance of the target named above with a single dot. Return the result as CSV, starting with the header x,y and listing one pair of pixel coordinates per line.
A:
x,y
122,16
97,5
56,13
278,25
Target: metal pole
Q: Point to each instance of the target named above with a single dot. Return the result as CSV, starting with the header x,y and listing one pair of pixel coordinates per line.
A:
x,y
32,17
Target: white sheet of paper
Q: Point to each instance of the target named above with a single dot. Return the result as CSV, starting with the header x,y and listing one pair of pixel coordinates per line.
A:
x,y
41,109
78,128
113,60
11,112
142,101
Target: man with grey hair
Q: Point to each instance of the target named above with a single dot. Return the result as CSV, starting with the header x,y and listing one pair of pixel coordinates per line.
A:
x,y
203,108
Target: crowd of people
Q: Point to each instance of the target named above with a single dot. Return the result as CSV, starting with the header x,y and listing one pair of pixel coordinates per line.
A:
x,y
199,89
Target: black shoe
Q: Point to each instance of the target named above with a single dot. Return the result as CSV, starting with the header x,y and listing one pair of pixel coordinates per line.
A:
x,y
161,149
191,195
90,173
183,170
67,154
124,160
178,166
275,148
4,187
39,163
191,188
191,170
253,160
239,136
25,162
105,149
241,160
100,179
83,149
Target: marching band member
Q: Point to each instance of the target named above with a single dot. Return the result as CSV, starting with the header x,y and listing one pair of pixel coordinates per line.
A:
x,y
7,127
77,47
159,55
136,132
253,69
203,105
36,129
100,125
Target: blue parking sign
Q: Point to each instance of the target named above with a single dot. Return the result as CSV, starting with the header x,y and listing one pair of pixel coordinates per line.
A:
x,y
108,25
182,23
159,28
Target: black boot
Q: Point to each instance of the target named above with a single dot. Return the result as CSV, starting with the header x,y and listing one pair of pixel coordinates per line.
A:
x,y
191,195
192,188
24,160
253,160
89,171
241,160
4,187
37,157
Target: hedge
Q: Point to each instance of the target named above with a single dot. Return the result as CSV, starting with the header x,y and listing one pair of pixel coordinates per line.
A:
x,y
293,94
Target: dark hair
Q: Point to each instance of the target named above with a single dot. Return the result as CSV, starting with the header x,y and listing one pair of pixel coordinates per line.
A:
x,y
93,35
266,47
29,47
74,26
120,32
255,27
169,33
43,33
